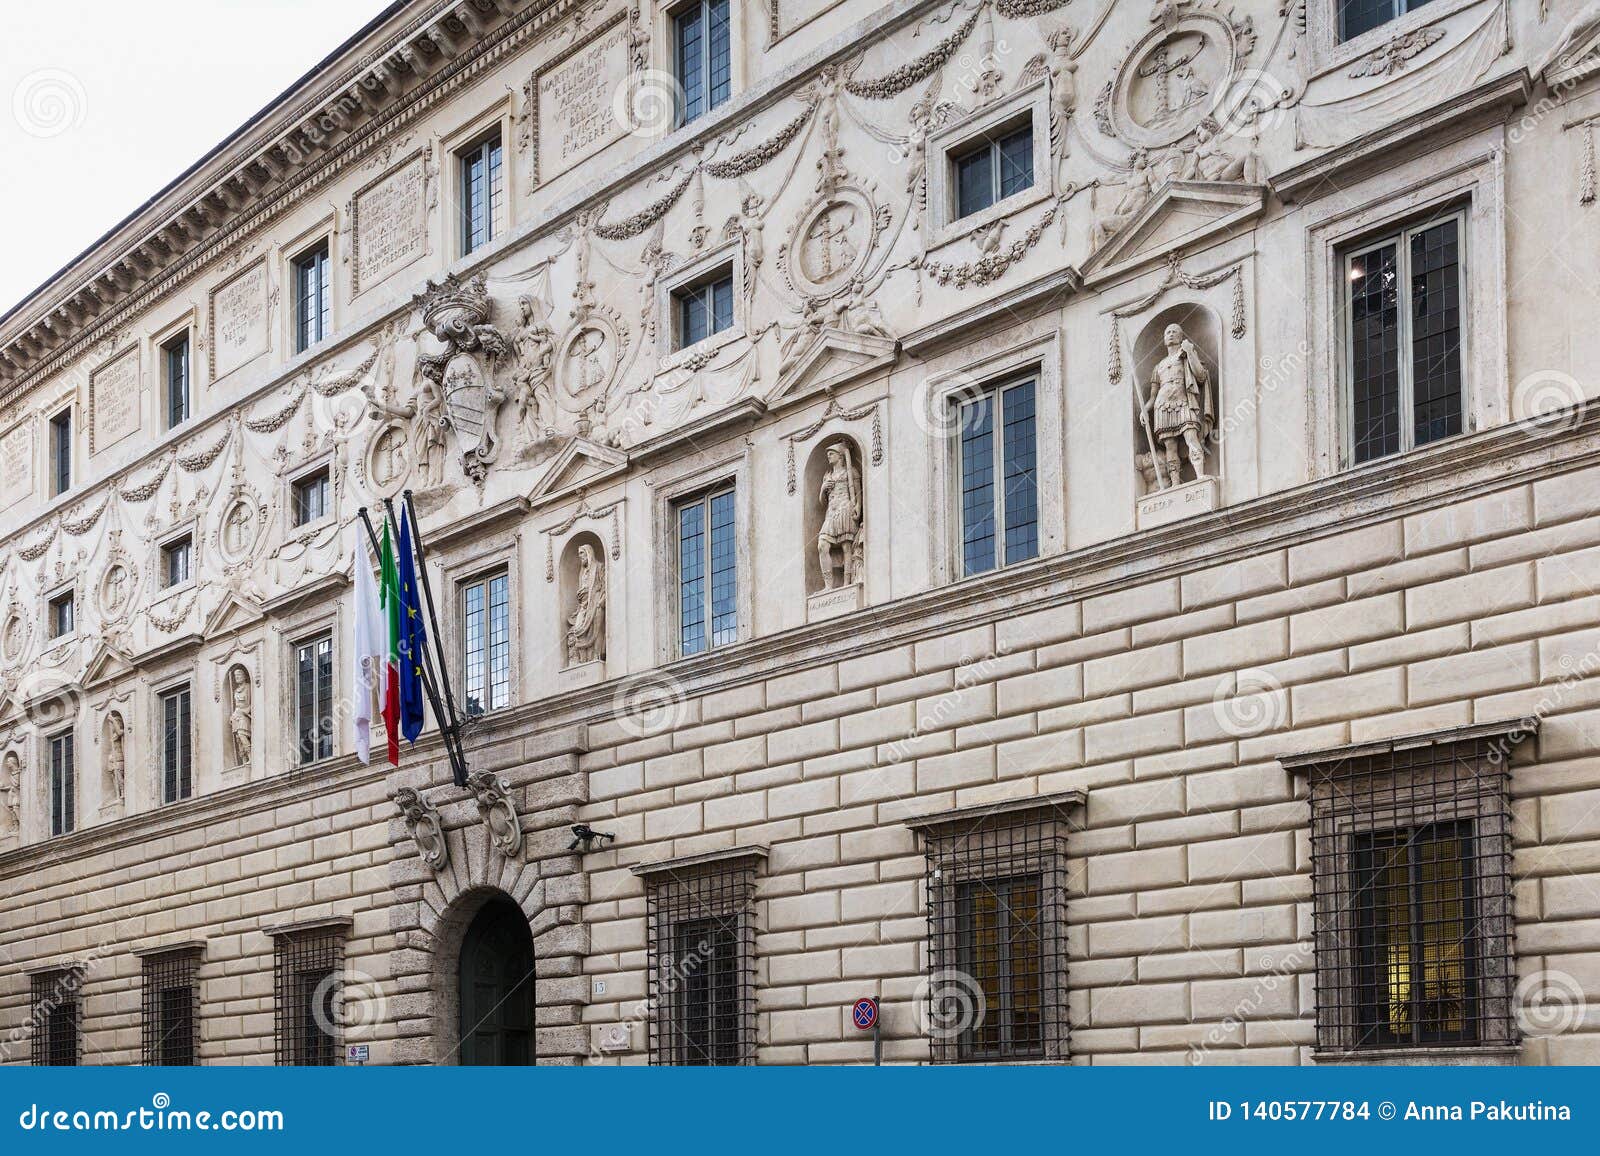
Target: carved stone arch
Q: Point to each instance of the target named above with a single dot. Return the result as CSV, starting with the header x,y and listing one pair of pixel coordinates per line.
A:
x,y
545,880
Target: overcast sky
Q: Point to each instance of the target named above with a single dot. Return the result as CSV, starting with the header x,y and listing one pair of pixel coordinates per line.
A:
x,y
106,101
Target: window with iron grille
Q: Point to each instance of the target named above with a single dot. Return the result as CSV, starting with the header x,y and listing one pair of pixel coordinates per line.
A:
x,y
57,1017
177,745
1411,892
171,999
997,930
702,959
308,969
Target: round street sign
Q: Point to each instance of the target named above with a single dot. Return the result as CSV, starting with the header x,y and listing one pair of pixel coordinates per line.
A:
x,y
865,1013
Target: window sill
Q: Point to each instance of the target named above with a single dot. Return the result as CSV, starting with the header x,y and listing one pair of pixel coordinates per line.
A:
x,y
1424,1057
1337,54
695,356
949,232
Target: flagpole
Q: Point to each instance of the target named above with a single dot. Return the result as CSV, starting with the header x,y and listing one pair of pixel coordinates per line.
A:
x,y
433,617
458,767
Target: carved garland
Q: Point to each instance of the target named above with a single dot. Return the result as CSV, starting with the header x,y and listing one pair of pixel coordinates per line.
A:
x,y
897,81
757,155
277,420
1175,276
991,266
167,623
1022,9
832,411
1586,166
583,511
647,216
147,490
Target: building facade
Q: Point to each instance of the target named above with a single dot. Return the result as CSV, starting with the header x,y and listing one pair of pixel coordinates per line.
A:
x,y
1076,521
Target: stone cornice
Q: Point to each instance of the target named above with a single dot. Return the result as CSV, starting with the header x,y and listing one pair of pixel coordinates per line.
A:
x,y
755,853
981,813
1515,729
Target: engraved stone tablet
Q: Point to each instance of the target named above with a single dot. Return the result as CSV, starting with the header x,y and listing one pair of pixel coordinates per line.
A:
x,y
391,223
16,464
114,401
239,326
577,110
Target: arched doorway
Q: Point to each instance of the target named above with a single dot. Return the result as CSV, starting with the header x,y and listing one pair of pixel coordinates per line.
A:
x,y
497,987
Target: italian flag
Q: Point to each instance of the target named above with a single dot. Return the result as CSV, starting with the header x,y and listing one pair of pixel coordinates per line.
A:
x,y
389,595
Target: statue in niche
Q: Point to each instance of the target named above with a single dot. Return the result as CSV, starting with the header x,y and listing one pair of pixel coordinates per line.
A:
x,y
841,518
1178,416
1209,161
586,625
116,757
11,792
457,315
240,722
534,346
1139,185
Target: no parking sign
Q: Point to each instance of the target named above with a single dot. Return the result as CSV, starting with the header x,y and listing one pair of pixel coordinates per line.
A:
x,y
865,1013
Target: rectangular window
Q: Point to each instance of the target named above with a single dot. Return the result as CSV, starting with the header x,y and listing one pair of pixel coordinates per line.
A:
x,y
1358,16
702,963
312,299
177,746
997,891
703,309
172,1008
61,452
1404,307
177,561
57,1017
175,374
486,642
704,55
1411,896
998,478
61,614
996,167
311,498
63,784
708,612
481,185
313,664
307,969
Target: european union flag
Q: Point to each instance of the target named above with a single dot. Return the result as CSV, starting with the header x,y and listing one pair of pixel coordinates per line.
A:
x,y
413,638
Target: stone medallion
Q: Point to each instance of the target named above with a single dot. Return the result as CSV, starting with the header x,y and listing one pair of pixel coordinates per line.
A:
x,y
13,637
236,538
1170,79
831,242
116,590
589,358
388,460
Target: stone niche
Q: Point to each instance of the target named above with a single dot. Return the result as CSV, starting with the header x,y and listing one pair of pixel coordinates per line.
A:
x,y
1172,484
585,617
841,589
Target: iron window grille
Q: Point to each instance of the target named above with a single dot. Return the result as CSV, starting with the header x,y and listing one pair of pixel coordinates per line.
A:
x,y
701,948
309,968
997,931
171,999
1411,890
57,1017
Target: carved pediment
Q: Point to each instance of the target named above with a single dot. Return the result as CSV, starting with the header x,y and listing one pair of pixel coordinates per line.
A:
x,y
107,663
1181,214
580,465
834,359
233,614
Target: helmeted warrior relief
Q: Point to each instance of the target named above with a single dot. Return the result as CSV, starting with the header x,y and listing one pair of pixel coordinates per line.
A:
x,y
458,315
116,760
586,625
240,721
841,518
1178,415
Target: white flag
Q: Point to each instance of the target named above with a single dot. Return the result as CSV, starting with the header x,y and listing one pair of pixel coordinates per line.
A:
x,y
369,653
